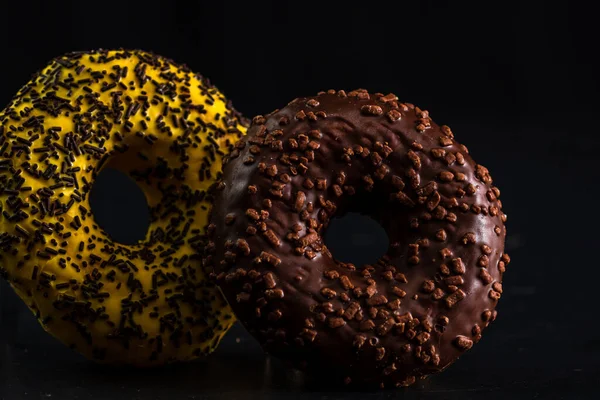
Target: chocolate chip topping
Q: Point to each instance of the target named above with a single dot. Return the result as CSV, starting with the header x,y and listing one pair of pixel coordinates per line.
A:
x,y
414,311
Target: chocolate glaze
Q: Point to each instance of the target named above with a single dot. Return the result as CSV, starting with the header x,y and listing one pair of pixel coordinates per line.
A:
x,y
413,312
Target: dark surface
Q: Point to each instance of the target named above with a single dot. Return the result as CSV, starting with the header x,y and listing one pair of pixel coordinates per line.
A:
x,y
518,358
518,84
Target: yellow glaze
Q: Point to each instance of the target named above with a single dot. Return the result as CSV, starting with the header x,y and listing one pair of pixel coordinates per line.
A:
x,y
168,128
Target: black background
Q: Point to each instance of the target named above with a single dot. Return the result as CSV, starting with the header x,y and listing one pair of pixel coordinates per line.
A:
x,y
518,84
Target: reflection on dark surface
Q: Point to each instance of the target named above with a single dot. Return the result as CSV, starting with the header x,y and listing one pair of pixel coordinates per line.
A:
x,y
519,357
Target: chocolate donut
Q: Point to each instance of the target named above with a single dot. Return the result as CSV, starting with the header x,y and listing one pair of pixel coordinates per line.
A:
x,y
415,310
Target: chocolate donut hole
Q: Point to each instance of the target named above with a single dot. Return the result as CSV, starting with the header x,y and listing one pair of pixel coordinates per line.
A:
x,y
356,238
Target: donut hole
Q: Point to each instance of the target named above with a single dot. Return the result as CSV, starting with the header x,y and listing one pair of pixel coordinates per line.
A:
x,y
356,238
119,206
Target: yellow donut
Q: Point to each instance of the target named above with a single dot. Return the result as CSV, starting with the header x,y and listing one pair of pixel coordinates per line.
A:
x,y
168,128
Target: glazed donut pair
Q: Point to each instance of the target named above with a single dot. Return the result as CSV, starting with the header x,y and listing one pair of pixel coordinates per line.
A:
x,y
410,314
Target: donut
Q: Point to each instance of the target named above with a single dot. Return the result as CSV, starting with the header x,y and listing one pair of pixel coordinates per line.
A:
x,y
411,313
168,129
